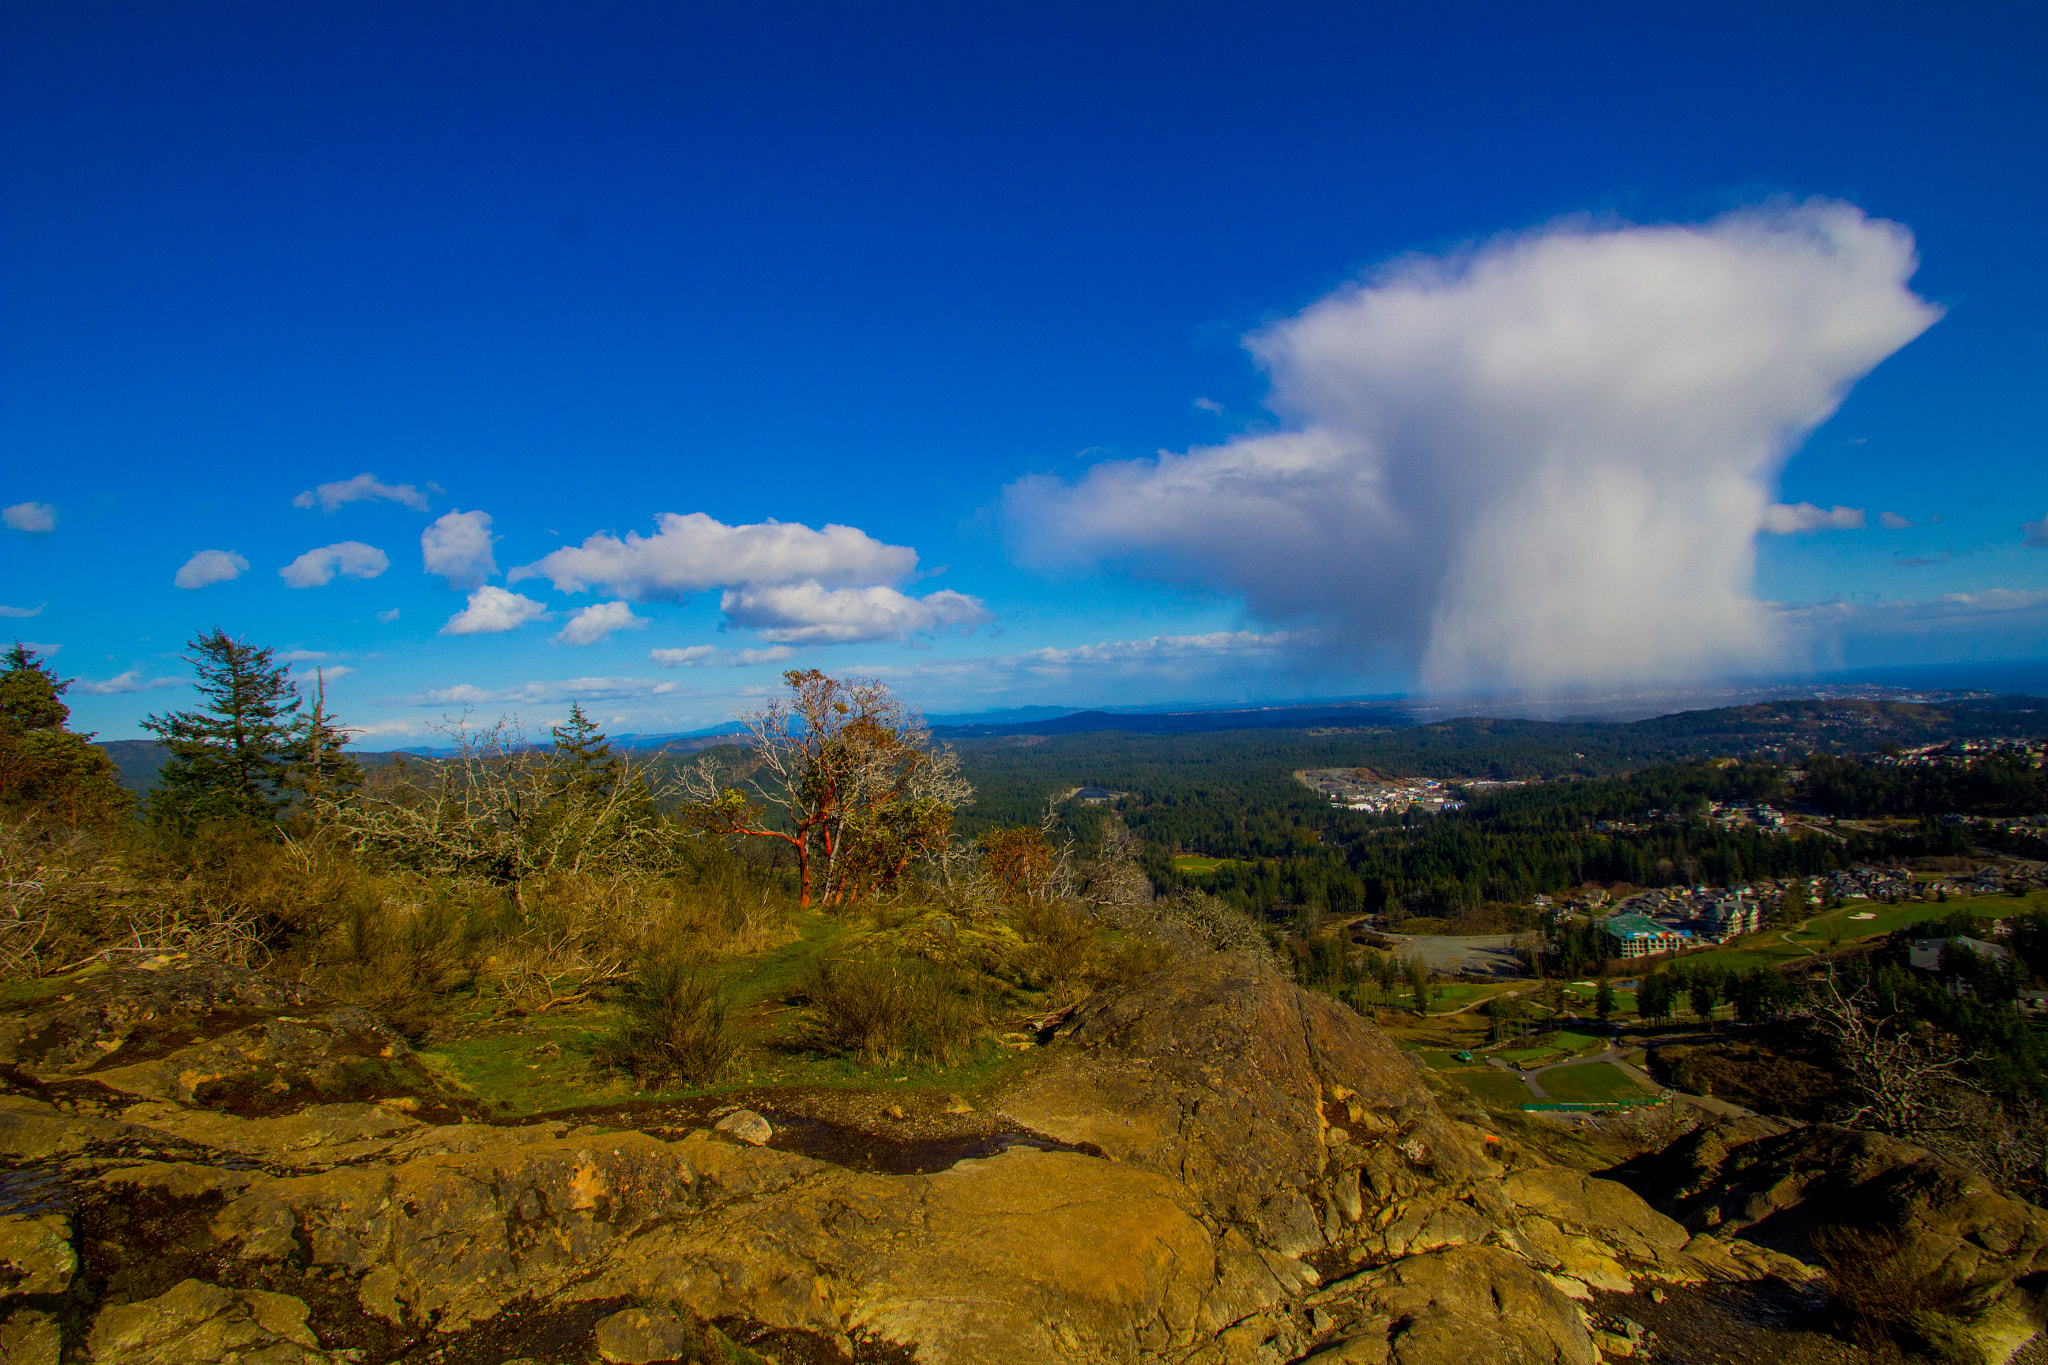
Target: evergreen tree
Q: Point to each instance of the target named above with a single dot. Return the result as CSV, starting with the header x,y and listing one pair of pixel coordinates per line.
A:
x,y
1603,999
245,752
48,772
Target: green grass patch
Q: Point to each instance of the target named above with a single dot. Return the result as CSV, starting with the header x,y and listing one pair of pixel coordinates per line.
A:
x,y
539,1062
1531,1054
1490,1087
1195,865
1592,1083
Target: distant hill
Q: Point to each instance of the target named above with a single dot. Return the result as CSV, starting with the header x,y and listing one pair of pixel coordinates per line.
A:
x,y
138,761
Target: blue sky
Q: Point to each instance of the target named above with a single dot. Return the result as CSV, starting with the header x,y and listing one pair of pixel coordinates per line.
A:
x,y
1552,315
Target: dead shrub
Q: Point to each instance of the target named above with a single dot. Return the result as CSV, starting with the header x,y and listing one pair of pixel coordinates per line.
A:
x,y
895,1008
678,1026
1885,1306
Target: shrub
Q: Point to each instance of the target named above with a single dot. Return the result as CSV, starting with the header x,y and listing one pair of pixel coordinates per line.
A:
x,y
1884,1305
678,1026
1122,962
1059,939
887,1009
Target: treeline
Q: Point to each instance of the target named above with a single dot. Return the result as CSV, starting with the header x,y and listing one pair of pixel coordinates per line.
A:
x,y
1235,797
1994,784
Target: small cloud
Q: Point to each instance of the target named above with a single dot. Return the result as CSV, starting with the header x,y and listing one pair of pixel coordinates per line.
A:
x,y
387,617
349,558
709,656
211,566
131,681
592,624
1892,521
330,672
1936,518
1782,519
493,611
22,613
458,548
2033,535
304,656
363,488
35,518
39,647
1209,405
811,614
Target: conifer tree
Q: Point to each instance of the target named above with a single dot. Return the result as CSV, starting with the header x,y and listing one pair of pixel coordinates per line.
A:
x,y
245,752
47,772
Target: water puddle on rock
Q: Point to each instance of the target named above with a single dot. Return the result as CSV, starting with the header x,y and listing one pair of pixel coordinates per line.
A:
x,y
850,1129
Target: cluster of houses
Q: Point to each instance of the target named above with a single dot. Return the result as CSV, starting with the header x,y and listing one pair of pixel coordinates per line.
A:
x,y
1689,917
1348,789
1961,751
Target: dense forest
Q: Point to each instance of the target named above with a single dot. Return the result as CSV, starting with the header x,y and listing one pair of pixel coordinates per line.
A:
x,y
1234,796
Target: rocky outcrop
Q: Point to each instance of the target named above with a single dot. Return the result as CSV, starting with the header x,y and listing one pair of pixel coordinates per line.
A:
x,y
1228,1170
1778,1186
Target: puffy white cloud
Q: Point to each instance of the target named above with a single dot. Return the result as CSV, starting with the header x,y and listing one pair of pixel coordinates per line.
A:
x,y
363,488
691,553
534,693
32,517
812,614
1537,465
492,611
303,656
22,613
131,681
1785,519
211,566
387,617
349,558
594,623
1892,521
2033,534
710,656
458,548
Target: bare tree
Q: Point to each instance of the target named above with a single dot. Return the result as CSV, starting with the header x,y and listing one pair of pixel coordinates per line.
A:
x,y
1901,1080
506,811
844,774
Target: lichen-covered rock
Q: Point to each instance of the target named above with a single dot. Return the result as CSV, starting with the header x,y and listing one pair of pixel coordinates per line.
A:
x,y
196,1323
640,1336
1459,1306
31,1337
36,1256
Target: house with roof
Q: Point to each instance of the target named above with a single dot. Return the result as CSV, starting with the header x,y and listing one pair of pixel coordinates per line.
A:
x,y
1641,936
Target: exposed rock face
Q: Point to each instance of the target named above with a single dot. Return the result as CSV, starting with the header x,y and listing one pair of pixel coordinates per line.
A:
x,y
1273,1182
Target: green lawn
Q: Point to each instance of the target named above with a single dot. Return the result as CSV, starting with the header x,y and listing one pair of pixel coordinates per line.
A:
x,y
1196,865
1592,1083
1492,1087
1811,939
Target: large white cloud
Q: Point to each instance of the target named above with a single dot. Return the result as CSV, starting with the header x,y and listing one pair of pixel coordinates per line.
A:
x,y
691,553
493,611
349,558
592,624
210,566
35,518
363,488
812,614
1536,465
458,548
